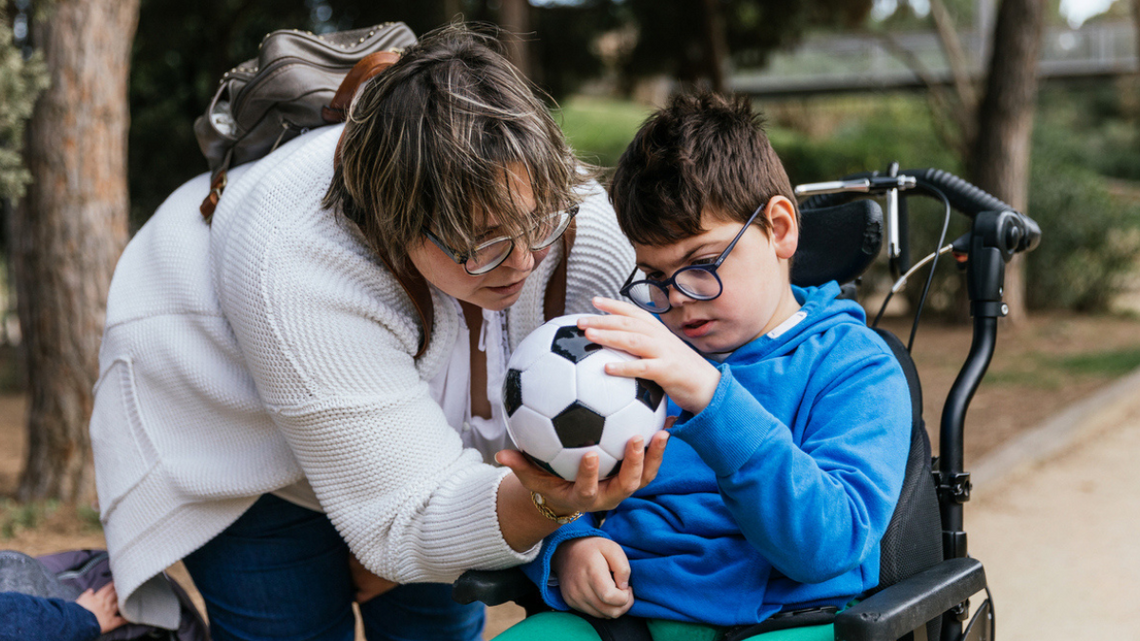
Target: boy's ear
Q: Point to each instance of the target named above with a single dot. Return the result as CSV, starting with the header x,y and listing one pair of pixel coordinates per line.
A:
x,y
781,214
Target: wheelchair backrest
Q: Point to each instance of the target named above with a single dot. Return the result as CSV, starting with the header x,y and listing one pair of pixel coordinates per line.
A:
x,y
839,243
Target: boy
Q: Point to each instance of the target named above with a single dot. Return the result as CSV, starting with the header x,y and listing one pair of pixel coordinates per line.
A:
x,y
790,446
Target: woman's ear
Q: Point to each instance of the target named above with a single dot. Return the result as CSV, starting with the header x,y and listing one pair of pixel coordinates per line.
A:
x,y
785,229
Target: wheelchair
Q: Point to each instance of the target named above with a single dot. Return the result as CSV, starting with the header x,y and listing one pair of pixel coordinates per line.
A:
x,y
926,574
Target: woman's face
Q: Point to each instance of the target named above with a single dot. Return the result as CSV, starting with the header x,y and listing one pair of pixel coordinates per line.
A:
x,y
497,289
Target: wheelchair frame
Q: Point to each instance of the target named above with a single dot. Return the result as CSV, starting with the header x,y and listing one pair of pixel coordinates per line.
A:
x,y
902,610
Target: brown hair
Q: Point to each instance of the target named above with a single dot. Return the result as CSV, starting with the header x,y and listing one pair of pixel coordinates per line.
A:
x,y
701,152
429,141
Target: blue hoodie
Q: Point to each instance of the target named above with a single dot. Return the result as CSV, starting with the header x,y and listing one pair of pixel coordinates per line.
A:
x,y
777,494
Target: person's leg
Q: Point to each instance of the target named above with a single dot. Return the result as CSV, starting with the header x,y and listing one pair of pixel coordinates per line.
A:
x,y
421,612
279,572
550,626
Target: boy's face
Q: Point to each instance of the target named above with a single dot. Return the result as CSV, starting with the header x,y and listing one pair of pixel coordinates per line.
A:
x,y
756,295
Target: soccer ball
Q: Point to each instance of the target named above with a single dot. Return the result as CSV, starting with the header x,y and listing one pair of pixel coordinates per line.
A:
x,y
561,404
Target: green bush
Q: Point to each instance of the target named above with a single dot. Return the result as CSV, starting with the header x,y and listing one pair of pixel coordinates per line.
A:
x,y
600,129
1090,240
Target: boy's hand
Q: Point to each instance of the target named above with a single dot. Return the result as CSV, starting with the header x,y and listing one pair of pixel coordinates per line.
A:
x,y
593,573
586,493
104,604
683,373
368,585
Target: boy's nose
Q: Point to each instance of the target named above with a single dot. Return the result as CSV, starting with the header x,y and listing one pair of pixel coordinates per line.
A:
x,y
677,297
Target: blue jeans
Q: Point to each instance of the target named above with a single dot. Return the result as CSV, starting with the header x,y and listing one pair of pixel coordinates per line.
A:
x,y
281,572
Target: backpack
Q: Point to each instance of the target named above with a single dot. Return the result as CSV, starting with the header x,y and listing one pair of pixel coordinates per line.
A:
x,y
66,575
298,81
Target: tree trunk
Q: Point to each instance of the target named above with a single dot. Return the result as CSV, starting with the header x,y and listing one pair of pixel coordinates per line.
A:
x,y
999,163
514,16
69,231
716,45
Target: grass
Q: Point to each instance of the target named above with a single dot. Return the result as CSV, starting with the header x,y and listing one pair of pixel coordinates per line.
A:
x,y
16,517
600,129
1045,371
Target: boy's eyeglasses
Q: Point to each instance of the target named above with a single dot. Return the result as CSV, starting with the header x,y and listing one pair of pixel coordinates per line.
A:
x,y
699,282
491,254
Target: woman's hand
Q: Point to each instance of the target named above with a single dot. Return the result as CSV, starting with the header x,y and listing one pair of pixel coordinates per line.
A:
x,y
586,493
104,604
688,379
593,574
368,585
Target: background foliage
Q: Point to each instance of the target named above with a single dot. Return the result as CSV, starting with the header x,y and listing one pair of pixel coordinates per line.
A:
x,y
22,78
1085,143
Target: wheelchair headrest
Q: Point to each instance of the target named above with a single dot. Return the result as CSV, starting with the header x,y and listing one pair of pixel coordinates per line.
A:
x,y
837,243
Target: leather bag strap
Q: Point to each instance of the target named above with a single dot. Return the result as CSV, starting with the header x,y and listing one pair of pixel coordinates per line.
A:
x,y
366,69
554,303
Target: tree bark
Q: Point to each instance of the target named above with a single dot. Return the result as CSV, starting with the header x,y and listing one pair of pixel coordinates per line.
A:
x,y
68,233
514,16
999,162
716,45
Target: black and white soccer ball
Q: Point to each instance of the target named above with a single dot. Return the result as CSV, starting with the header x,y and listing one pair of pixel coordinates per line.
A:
x,y
561,404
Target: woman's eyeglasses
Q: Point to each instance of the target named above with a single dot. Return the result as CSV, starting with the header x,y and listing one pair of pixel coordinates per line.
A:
x,y
699,282
490,254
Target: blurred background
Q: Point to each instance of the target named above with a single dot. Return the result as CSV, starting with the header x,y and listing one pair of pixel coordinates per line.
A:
x,y
1036,101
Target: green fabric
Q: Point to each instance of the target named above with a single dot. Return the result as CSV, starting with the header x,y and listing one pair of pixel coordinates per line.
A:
x,y
550,626
561,626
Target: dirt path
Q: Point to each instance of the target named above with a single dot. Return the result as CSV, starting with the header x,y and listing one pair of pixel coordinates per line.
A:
x,y
1058,540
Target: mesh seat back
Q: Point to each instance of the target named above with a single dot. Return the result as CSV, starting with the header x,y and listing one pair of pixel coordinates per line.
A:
x,y
913,540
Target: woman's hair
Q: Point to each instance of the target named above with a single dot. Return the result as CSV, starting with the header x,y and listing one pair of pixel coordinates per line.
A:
x,y
701,152
430,141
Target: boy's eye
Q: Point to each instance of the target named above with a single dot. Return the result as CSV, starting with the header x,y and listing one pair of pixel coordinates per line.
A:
x,y
704,261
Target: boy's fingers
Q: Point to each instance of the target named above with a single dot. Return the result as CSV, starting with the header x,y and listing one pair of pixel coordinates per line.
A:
x,y
607,594
613,306
619,566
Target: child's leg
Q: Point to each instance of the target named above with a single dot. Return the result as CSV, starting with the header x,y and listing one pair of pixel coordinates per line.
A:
x,y
550,626
421,612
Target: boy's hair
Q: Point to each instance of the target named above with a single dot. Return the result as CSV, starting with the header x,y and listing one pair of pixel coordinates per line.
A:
x,y
428,143
701,152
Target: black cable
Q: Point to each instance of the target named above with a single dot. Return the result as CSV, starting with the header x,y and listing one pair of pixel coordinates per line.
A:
x,y
883,308
933,264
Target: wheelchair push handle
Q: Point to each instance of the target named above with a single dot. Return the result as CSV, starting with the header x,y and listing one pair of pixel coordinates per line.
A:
x,y
1016,231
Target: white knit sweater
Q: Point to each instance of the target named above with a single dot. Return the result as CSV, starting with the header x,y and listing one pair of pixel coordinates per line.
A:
x,y
272,346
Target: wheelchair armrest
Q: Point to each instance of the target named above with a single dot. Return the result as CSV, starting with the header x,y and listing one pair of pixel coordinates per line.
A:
x,y
910,603
493,587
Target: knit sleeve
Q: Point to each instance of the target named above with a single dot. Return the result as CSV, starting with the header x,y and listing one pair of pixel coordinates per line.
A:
x,y
328,338
601,257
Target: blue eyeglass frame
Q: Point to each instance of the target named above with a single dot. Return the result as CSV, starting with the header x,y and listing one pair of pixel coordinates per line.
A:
x,y
461,259
664,285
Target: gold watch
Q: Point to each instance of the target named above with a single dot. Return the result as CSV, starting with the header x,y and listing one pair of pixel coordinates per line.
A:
x,y
540,503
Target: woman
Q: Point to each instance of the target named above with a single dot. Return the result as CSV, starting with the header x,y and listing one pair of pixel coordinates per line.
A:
x,y
294,385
